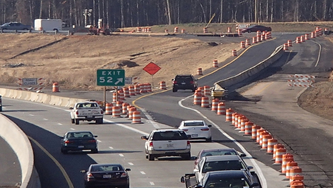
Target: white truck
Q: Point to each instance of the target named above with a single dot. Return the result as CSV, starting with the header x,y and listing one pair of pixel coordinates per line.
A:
x,y
86,111
48,25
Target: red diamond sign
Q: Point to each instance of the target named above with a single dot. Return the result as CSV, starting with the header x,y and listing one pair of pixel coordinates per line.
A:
x,y
151,68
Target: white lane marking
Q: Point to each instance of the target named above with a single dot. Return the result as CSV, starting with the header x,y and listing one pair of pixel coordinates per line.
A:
x,y
111,147
125,126
258,169
130,163
319,55
31,114
59,124
45,119
72,129
152,183
149,118
142,172
121,155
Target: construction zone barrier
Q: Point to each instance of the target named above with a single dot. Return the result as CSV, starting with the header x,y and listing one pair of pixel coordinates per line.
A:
x,y
254,131
205,30
205,102
131,90
229,114
289,43
286,158
197,98
215,103
289,166
199,71
279,156
115,96
242,44
55,87
215,63
297,184
221,110
175,30
296,174
116,111
162,85
207,91
136,117
247,42
124,108
120,94
126,92
233,53
271,143
109,108
131,109
248,128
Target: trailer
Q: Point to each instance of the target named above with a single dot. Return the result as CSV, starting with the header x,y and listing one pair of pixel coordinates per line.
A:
x,y
48,25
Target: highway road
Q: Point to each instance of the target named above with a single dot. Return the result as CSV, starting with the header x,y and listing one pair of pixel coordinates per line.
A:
x,y
119,139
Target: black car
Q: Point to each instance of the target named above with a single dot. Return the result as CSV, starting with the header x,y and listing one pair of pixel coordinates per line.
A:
x,y
228,178
106,175
79,141
184,82
255,28
15,26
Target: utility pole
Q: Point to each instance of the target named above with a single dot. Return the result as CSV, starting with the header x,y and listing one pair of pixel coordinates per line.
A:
x,y
87,13
256,11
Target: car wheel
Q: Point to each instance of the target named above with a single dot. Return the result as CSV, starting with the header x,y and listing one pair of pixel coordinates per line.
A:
x,y
94,150
209,139
151,157
186,156
72,121
174,90
77,121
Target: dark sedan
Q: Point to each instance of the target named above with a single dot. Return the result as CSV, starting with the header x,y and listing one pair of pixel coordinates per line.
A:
x,y
79,141
15,26
106,175
231,178
255,28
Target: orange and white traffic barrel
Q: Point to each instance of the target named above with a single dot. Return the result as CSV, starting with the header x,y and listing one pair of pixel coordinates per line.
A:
x,y
116,111
234,53
215,63
295,174
259,131
229,30
297,184
120,94
297,40
254,131
136,117
269,35
289,43
258,39
239,32
205,102
118,103
229,114
261,136
162,85
254,40
289,166
201,90
166,31
55,87
221,110
275,148
242,44
312,35
279,156
131,109
262,37
199,71
207,91
235,119
258,33
286,159
306,36
205,30
109,109
215,103
302,38
175,30
242,124
137,89
197,98
248,128
126,92
182,31
124,108
271,143
285,46
131,90
247,42
114,97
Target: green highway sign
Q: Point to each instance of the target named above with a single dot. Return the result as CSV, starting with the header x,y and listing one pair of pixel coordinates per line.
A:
x,y
110,77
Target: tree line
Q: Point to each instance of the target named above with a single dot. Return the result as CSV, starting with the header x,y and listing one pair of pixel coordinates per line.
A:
x,y
132,13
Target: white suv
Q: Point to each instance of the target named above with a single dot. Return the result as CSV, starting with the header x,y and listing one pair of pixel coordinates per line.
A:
x,y
167,142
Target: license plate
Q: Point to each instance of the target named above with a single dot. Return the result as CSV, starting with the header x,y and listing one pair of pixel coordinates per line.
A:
x,y
194,135
107,176
89,116
183,83
169,145
80,146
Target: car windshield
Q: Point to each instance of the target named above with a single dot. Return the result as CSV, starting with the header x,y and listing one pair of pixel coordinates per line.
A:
x,y
170,135
221,165
104,168
79,135
196,123
215,153
184,78
226,183
86,105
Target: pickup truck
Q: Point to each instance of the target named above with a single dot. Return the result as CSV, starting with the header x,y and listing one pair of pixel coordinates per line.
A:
x,y
86,111
167,142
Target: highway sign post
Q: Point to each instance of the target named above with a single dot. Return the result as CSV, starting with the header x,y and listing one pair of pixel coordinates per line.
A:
x,y
110,77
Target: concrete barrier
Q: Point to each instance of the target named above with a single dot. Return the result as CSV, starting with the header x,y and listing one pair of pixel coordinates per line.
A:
x,y
253,70
19,142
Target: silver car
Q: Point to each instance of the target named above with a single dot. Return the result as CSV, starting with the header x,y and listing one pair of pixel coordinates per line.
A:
x,y
15,26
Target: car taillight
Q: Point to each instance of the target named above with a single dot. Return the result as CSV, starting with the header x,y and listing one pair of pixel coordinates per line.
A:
x,y
77,112
185,130
102,111
89,176
92,141
124,175
68,141
205,129
192,82
174,82
188,143
151,144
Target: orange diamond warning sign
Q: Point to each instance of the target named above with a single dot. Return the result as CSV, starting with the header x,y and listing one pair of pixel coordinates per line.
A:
x,y
151,68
